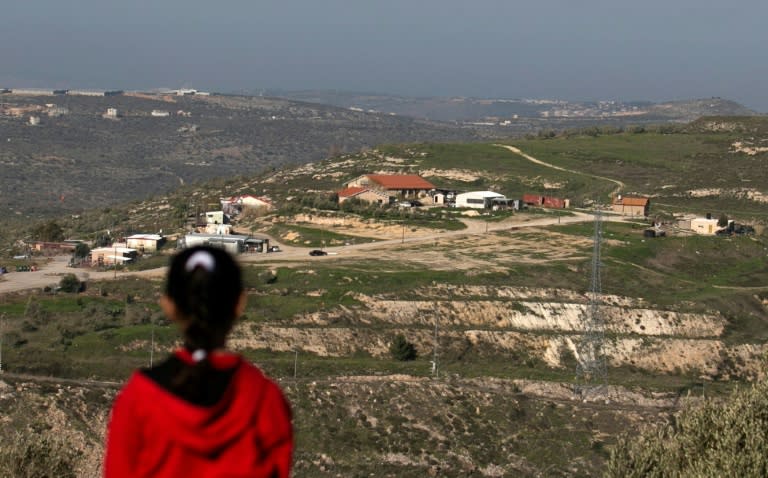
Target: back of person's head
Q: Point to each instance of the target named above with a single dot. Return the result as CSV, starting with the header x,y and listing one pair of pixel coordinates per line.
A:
x,y
205,284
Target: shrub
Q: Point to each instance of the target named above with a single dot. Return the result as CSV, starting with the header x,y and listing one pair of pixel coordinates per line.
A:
x,y
401,349
70,283
719,438
34,454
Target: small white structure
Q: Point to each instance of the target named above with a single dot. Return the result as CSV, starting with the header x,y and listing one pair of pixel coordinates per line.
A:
x,y
705,226
481,200
218,229
234,244
236,204
105,256
160,113
214,217
144,243
111,113
34,120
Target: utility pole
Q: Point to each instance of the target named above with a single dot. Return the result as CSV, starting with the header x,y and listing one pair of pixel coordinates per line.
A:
x,y
591,369
114,258
435,370
2,327
295,362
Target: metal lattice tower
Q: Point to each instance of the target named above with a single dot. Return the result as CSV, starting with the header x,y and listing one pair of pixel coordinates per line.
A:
x,y
591,370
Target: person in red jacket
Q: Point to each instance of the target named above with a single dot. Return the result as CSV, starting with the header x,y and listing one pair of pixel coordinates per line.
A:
x,y
204,412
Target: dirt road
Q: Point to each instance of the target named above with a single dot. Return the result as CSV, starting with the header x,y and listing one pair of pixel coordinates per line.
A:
x,y
50,273
619,185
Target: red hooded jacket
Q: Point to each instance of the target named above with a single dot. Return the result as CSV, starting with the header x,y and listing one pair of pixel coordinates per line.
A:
x,y
247,433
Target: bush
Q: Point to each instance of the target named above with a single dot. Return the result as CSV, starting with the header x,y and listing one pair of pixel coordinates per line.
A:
x,y
70,283
719,438
35,454
401,349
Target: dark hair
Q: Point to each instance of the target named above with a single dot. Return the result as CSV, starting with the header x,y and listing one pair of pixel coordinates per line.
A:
x,y
205,284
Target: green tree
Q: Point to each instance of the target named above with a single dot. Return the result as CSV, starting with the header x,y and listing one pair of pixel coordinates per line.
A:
x,y
722,221
82,250
70,283
401,349
723,437
49,232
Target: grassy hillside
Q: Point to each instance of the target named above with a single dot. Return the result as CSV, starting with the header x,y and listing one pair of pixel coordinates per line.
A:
x,y
683,312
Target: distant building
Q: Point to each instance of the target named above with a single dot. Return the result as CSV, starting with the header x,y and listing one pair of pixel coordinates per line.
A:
x,y
405,185
236,204
214,217
56,111
94,92
107,256
234,244
160,113
35,92
111,113
371,196
53,247
551,202
34,120
631,205
705,225
145,243
481,200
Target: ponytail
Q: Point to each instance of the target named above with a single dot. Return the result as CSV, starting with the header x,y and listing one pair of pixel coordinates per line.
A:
x,y
205,284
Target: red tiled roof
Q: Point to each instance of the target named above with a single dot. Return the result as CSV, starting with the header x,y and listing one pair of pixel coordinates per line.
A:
x,y
401,181
349,192
633,201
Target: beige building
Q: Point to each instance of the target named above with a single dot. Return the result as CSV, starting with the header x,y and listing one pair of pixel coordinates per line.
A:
x,y
144,243
631,206
371,196
108,256
704,226
403,185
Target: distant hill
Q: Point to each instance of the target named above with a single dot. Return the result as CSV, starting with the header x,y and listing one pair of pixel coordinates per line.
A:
x,y
77,157
463,109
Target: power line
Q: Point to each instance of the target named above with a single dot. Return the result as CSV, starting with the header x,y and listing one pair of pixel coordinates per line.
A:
x,y
591,370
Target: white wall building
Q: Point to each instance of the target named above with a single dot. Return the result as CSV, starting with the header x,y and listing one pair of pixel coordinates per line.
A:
x,y
702,225
481,200
144,243
234,244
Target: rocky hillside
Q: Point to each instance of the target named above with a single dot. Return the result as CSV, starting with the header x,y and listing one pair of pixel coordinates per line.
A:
x,y
78,158
387,426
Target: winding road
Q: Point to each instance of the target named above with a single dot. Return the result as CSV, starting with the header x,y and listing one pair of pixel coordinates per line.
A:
x,y
619,185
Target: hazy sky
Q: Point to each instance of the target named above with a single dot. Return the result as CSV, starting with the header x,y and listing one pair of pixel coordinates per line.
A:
x,y
568,49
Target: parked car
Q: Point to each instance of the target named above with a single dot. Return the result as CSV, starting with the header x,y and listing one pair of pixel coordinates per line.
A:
x,y
273,249
317,252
